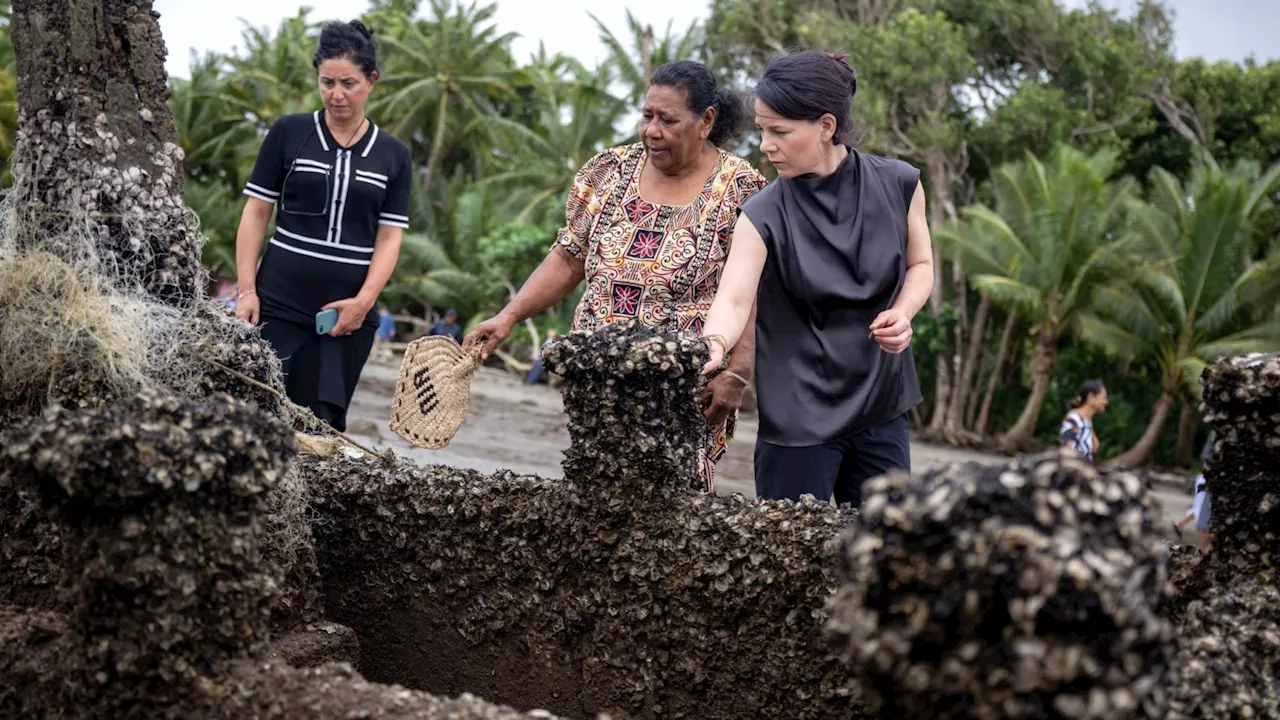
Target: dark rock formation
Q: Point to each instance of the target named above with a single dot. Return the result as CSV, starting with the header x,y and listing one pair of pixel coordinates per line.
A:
x,y
97,150
1228,659
618,589
1242,397
1032,590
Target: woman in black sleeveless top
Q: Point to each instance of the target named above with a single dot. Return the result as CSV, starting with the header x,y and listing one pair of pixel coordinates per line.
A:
x,y
836,255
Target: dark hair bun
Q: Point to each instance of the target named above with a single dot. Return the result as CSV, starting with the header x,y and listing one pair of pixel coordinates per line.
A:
x,y
702,92
809,84
842,62
351,40
363,29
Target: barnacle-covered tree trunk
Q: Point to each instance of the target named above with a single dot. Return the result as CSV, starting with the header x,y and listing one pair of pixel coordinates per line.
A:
x,y
97,143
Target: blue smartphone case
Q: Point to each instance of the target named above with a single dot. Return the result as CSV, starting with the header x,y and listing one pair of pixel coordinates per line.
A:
x,y
325,320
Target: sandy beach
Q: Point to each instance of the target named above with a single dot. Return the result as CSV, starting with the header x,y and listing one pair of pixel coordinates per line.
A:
x,y
512,426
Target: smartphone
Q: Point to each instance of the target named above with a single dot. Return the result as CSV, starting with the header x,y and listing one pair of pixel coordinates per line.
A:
x,y
325,320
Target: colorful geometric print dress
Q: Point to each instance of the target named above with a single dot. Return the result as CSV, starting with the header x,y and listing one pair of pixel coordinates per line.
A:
x,y
659,264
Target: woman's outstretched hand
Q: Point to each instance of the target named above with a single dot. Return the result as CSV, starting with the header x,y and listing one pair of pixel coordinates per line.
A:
x,y
489,335
892,330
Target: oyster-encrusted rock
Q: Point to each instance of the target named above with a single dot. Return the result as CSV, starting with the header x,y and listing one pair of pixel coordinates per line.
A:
x,y
619,588
1033,589
1242,397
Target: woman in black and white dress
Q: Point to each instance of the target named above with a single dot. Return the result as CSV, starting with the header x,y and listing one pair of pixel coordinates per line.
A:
x,y
339,186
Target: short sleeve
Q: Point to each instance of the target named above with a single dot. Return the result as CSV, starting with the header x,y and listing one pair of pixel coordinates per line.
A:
x,y
268,170
908,179
764,210
395,209
582,207
1069,432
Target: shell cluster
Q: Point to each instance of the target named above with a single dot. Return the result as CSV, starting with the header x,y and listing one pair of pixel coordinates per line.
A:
x,y
159,500
1242,397
1228,651
1032,590
631,395
616,589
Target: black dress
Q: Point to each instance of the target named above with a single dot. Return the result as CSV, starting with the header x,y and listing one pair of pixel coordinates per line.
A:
x,y
832,403
330,201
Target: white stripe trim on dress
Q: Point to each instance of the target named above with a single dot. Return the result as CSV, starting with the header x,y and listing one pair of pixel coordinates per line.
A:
x,y
321,256
255,194
264,191
371,181
301,238
374,175
323,143
372,140
309,169
341,205
394,223
393,216
313,163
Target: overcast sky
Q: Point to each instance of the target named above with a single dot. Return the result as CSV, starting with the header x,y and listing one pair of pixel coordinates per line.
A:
x,y
1215,29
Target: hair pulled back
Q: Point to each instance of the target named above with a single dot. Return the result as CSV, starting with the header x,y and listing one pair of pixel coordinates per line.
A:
x,y
1088,389
808,84
702,92
350,40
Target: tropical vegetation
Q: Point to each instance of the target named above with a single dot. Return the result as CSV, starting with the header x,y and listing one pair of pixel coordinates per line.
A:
x,y
1101,208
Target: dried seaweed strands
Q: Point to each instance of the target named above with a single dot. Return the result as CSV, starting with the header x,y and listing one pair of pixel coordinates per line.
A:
x,y
1242,397
1032,590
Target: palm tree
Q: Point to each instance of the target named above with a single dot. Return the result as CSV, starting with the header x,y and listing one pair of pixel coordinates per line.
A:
x,y
444,73
8,96
634,61
1053,240
568,117
1203,298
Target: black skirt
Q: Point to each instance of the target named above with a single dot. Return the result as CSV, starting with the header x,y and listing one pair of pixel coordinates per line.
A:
x,y
320,372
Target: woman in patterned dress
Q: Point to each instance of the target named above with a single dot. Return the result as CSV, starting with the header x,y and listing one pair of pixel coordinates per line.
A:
x,y
648,226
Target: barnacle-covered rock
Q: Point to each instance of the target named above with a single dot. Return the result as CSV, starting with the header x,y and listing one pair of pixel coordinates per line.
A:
x,y
1032,590
158,499
31,559
1242,396
617,589
1228,658
630,395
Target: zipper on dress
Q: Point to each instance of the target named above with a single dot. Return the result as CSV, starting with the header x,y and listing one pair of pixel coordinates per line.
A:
x,y
335,212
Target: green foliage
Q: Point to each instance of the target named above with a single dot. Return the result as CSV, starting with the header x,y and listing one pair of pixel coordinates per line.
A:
x,y
1200,296
8,95
1030,114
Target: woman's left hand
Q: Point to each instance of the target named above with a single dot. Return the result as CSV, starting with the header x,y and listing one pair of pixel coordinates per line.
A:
x,y
892,330
351,315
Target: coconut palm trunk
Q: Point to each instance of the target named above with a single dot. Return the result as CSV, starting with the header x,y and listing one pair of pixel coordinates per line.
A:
x,y
1146,445
98,144
983,421
1042,360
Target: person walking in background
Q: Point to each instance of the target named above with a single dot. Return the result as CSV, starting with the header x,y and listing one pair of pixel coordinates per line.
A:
x,y
535,372
339,186
836,257
1200,508
448,326
648,226
386,333
1077,430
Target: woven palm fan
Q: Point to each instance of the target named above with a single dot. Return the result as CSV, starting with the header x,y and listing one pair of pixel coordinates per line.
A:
x,y
433,391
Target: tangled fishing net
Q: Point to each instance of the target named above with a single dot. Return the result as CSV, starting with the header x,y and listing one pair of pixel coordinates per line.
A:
x,y
1033,590
85,322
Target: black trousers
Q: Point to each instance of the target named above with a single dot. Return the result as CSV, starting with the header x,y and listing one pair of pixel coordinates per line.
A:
x,y
836,468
